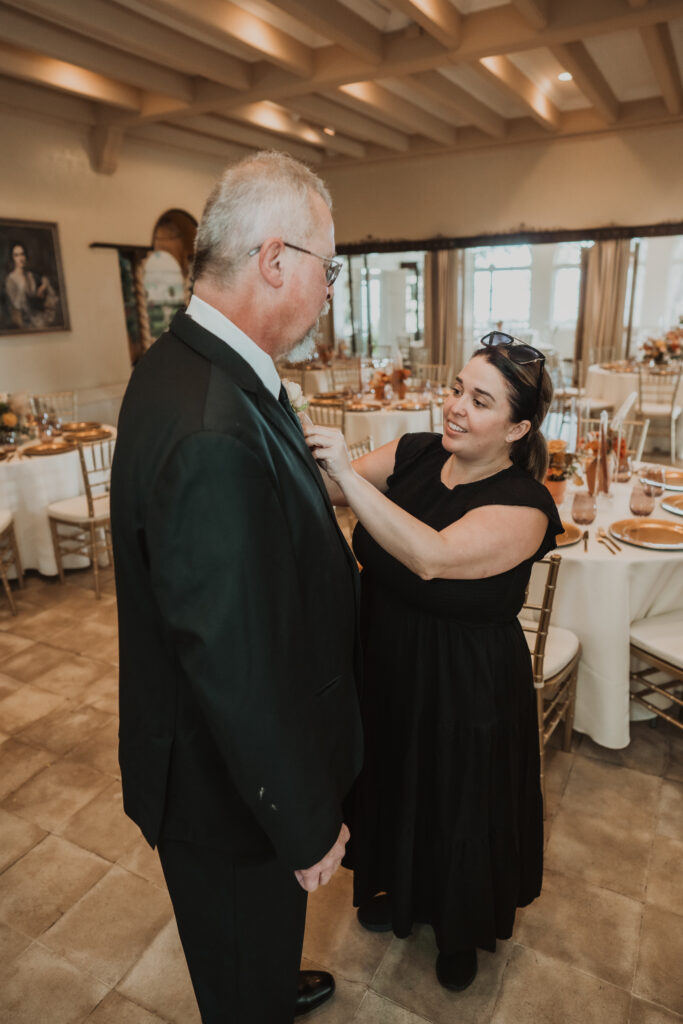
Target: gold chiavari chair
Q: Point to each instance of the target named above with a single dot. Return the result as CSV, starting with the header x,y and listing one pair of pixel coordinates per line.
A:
x,y
61,405
634,432
346,375
658,401
81,526
360,448
555,654
9,555
658,641
327,413
440,373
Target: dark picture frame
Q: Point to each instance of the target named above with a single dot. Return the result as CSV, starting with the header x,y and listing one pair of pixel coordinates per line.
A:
x,y
32,291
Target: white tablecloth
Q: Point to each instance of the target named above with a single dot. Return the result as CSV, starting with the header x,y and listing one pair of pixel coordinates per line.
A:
x,y
27,486
598,596
385,424
613,388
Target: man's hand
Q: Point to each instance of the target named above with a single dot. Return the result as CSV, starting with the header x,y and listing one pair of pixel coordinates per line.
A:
x,y
320,873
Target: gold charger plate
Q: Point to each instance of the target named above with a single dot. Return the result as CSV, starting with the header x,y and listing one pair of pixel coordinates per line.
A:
x,y
673,479
673,503
96,434
328,394
410,406
80,426
658,534
49,448
362,407
572,534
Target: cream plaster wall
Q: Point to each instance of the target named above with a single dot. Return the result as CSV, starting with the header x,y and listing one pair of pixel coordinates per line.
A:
x,y
45,174
629,178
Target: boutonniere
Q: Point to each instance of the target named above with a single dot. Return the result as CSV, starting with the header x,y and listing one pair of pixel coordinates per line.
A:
x,y
297,399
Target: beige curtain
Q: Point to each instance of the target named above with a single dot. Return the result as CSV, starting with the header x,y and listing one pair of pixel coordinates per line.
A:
x,y
600,328
444,305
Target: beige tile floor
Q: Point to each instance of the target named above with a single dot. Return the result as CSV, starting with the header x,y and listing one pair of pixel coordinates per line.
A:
x,y
86,928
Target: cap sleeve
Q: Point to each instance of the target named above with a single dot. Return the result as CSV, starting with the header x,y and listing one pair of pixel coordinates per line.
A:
x,y
517,487
410,448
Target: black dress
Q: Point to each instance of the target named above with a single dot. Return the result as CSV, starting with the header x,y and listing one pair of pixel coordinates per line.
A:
x,y
447,813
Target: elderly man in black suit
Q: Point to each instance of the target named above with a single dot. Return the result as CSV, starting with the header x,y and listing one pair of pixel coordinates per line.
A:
x,y
237,600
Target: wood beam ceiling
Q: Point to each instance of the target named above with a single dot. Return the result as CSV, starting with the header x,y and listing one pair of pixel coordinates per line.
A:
x,y
506,75
372,99
339,24
660,51
438,18
433,84
575,58
535,12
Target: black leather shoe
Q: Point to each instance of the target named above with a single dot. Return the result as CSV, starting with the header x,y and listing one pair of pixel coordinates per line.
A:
x,y
314,989
375,915
457,971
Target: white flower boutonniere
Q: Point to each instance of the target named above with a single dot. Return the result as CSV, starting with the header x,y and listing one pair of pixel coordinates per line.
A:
x,y
297,399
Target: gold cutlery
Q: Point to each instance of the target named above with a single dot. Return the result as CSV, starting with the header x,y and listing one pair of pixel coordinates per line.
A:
x,y
608,538
601,540
585,540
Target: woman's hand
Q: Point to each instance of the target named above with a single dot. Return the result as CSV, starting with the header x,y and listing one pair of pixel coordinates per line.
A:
x,y
328,448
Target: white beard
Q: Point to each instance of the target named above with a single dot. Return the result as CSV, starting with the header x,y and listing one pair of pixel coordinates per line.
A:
x,y
305,348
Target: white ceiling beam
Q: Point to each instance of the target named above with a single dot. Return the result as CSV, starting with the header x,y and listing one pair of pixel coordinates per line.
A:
x,y
575,58
438,18
221,23
243,135
339,24
502,72
47,103
34,67
110,23
274,119
325,113
534,12
188,141
662,56
42,37
435,86
372,99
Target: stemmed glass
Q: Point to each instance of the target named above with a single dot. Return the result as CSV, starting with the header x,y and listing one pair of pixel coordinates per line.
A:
x,y
654,479
584,508
642,500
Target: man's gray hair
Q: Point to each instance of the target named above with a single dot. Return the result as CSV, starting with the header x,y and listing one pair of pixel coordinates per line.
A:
x,y
265,195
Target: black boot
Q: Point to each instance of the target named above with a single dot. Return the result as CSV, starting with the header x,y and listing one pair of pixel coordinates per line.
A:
x,y
375,914
457,971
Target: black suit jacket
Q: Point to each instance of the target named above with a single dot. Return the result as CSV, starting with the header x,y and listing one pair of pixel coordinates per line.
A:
x,y
237,599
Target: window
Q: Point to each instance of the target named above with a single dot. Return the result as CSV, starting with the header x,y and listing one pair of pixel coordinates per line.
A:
x,y
502,287
566,283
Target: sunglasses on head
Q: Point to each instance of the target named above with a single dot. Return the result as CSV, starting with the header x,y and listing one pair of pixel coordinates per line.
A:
x,y
518,352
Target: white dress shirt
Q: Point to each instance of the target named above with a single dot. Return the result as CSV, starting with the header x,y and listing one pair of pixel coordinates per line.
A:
x,y
211,320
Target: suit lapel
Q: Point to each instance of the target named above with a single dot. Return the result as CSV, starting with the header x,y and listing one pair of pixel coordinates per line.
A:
x,y
222,355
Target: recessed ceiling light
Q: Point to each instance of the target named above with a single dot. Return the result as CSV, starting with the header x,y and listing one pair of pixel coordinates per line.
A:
x,y
329,131
565,76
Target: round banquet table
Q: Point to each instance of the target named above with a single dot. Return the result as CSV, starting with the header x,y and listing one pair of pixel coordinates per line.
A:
x,y
598,596
316,381
27,486
614,386
384,425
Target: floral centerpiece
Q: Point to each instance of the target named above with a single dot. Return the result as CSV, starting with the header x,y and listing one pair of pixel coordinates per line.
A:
x,y
379,383
398,381
661,350
11,421
562,467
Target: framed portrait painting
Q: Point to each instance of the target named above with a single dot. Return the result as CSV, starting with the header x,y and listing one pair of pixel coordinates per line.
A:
x,y
32,293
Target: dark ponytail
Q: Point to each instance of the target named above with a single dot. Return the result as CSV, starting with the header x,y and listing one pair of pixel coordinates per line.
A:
x,y
531,451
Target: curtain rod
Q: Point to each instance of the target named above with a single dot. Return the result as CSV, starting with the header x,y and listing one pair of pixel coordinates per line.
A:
x,y
511,238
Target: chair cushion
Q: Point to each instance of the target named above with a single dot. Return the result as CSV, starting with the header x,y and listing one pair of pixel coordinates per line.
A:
x,y
661,635
659,410
5,519
75,510
560,647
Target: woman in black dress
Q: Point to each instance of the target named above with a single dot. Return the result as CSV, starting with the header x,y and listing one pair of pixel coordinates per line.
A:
x,y
446,818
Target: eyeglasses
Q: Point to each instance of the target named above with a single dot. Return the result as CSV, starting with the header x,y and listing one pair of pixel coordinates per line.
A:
x,y
518,352
332,267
